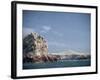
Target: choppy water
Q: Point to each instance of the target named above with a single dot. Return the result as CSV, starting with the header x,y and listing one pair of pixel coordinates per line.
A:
x,y
57,64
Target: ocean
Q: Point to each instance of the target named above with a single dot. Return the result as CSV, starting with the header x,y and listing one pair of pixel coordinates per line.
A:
x,y
57,64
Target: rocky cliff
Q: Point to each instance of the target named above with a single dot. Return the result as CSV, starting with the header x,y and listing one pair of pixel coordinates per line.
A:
x,y
35,44
35,49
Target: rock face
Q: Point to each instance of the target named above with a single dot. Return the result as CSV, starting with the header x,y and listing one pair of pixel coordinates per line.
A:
x,y
35,49
34,44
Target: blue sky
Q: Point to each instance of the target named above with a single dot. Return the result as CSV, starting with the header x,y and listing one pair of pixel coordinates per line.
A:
x,y
62,30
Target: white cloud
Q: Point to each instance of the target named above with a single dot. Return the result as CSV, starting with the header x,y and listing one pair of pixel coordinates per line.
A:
x,y
45,29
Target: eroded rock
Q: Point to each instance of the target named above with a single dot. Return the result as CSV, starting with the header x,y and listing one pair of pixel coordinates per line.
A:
x,y
35,49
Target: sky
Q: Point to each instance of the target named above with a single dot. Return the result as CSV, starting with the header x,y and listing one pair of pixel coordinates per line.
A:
x,y
62,30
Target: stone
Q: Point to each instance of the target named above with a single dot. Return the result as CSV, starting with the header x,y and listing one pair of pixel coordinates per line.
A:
x,y
35,49
34,44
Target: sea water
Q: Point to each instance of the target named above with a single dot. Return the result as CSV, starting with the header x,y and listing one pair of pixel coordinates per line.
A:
x,y
57,64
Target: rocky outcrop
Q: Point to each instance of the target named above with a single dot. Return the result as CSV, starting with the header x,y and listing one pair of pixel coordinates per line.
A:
x,y
35,49
39,59
34,44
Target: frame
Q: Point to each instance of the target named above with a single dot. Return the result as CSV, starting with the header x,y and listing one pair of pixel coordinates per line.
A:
x,y
50,39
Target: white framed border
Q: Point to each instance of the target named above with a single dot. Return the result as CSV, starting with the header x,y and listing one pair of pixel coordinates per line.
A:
x,y
20,6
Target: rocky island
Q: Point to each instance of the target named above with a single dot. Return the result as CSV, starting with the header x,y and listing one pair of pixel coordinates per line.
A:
x,y
35,50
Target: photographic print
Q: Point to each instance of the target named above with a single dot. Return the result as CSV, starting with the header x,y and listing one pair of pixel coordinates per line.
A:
x,y
53,39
